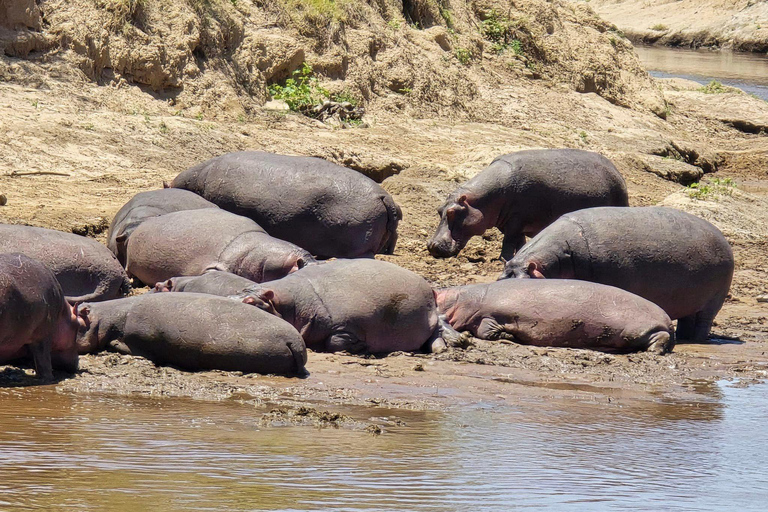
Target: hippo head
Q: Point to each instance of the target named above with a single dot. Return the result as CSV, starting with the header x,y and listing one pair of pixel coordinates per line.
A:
x,y
259,296
64,353
87,340
275,259
522,270
168,285
459,221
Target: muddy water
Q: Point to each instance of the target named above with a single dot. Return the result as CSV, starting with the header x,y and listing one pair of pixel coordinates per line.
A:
x,y
65,452
747,71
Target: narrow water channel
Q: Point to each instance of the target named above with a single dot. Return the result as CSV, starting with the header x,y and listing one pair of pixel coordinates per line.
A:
x,y
747,71
105,453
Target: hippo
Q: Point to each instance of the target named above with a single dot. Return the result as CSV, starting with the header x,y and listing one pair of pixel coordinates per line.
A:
x,y
223,284
85,269
327,209
522,193
145,205
193,331
678,261
558,313
356,305
190,243
35,318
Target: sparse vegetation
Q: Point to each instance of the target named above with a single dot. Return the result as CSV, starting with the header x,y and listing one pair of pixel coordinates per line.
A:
x,y
659,27
345,97
583,136
447,15
301,92
464,55
711,189
163,127
714,87
500,30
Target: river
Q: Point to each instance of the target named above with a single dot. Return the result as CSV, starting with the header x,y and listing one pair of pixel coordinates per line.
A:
x,y
115,453
747,71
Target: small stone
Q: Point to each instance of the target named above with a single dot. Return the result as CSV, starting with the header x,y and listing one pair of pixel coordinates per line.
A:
x,y
418,368
760,298
3,200
277,105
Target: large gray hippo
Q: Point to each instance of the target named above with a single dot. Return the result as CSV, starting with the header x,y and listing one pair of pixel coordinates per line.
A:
x,y
85,268
193,242
35,318
145,205
522,193
674,259
329,210
354,305
558,313
193,331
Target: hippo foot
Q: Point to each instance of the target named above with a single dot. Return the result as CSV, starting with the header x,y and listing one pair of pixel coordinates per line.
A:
x,y
661,343
450,336
437,346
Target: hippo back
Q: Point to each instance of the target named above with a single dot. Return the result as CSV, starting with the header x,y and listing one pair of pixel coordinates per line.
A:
x,y
325,208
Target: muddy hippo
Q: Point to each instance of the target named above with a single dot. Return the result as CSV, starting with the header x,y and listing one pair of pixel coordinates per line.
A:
x,y
522,193
35,318
145,205
329,210
86,270
193,331
356,305
558,313
674,259
196,241
216,282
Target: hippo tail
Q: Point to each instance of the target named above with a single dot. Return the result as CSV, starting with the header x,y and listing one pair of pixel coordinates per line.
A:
x,y
394,216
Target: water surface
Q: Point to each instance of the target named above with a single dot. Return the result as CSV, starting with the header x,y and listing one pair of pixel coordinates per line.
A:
x,y
747,71
65,452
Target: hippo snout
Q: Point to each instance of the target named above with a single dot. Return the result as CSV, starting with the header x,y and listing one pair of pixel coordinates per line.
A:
x,y
442,249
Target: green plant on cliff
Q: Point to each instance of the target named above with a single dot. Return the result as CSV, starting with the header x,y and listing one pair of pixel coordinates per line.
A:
x,y
301,92
500,30
715,187
464,55
659,27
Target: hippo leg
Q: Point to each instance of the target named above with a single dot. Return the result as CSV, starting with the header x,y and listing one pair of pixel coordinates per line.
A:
x,y
445,336
492,330
512,243
340,341
41,355
660,343
685,327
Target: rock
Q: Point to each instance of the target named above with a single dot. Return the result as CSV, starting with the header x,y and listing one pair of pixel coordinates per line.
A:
x,y
762,298
277,105
376,167
665,167
3,200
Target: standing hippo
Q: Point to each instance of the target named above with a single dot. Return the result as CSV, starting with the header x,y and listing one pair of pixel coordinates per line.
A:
x,y
193,331
215,282
355,305
86,270
522,193
558,313
145,205
35,317
674,259
193,242
329,210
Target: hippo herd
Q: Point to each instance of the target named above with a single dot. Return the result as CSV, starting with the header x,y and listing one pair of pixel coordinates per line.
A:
x,y
244,236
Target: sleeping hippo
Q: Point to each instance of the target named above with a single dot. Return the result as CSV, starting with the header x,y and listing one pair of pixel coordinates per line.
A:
x,y
215,282
674,259
193,331
190,243
355,305
558,313
329,210
35,318
522,193
85,269
145,205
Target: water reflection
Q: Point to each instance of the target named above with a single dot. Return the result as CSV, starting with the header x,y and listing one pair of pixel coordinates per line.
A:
x,y
115,453
747,71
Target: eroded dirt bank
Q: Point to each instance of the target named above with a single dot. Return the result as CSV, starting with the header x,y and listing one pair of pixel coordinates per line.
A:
x,y
75,149
740,25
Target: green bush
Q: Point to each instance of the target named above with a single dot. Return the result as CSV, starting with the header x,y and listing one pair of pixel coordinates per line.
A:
x,y
301,92
715,187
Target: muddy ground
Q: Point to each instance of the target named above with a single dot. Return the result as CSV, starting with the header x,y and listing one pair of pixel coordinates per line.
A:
x,y
72,157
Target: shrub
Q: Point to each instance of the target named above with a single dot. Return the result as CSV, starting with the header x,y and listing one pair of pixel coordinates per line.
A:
x,y
301,92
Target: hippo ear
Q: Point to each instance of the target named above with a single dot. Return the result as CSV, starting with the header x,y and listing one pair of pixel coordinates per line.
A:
x,y
121,238
267,295
166,184
462,200
534,270
81,313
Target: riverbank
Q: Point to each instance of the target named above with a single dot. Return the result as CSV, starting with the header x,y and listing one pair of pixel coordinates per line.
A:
x,y
738,25
77,149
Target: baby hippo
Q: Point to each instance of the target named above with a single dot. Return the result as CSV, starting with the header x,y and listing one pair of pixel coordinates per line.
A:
x,y
522,193
558,313
145,205
34,317
190,243
85,269
676,260
355,305
223,284
193,331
